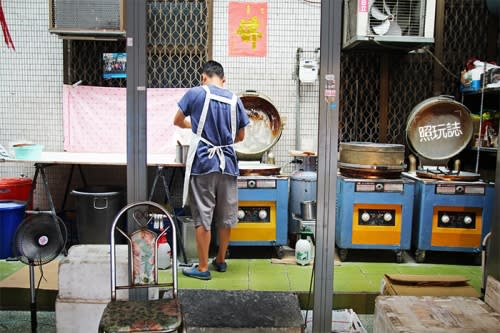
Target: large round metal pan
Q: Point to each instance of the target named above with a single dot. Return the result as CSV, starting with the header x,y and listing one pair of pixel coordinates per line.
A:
x,y
265,126
259,170
439,128
371,154
370,171
462,176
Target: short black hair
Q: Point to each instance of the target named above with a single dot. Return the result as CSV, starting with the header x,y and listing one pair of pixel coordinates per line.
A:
x,y
212,68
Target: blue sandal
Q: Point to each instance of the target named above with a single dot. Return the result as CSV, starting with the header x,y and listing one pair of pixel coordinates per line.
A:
x,y
195,273
219,267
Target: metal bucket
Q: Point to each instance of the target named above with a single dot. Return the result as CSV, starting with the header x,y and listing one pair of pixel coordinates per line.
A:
x,y
308,210
265,126
439,128
96,208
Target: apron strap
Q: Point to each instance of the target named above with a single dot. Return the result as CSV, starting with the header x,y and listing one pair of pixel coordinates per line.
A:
x,y
221,99
234,102
204,112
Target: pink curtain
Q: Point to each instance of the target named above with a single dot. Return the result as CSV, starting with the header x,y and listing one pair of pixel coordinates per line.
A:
x,y
95,119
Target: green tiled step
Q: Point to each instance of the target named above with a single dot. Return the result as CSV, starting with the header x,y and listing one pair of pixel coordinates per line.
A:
x,y
354,282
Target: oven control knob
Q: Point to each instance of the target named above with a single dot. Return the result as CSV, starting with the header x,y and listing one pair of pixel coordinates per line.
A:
x,y
445,218
262,214
387,217
379,187
365,217
252,183
241,214
467,220
460,189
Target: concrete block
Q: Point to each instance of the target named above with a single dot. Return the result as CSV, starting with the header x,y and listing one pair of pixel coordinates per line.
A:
x,y
492,297
85,273
221,311
78,316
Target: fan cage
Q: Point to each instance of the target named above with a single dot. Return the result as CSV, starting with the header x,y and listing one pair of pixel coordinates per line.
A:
x,y
408,14
29,232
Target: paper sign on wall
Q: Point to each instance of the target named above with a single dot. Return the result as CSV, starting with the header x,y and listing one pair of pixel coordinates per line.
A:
x,y
247,29
363,6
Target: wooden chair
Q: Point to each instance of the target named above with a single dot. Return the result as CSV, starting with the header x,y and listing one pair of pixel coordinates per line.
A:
x,y
157,315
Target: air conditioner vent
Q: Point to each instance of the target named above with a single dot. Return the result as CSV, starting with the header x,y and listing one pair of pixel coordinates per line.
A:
x,y
87,17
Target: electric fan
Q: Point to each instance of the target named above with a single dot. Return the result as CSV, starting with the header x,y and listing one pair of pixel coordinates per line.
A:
x,y
391,19
38,240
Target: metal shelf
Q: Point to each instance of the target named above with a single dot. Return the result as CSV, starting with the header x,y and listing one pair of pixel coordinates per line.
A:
x,y
481,91
485,149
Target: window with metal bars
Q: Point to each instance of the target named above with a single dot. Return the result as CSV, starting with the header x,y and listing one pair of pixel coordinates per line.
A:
x,y
179,39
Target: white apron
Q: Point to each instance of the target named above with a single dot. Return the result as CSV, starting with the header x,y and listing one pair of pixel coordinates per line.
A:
x,y
196,138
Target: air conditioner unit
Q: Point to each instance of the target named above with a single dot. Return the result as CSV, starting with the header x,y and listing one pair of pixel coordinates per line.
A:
x,y
402,23
84,19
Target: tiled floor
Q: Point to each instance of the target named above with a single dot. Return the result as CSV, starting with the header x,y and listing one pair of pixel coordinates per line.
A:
x,y
261,274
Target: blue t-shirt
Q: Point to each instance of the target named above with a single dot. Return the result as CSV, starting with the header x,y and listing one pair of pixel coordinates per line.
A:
x,y
217,128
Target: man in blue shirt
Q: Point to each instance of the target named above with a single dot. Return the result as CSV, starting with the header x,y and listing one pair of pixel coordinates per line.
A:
x,y
218,120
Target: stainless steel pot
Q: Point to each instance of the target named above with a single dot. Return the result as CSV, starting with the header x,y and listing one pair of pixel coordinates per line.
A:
x,y
181,152
308,210
265,126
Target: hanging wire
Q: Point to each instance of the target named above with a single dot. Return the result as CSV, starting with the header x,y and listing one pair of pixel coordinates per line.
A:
x,y
42,276
426,49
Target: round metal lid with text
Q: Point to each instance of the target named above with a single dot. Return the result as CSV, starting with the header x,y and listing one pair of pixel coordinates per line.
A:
x,y
439,128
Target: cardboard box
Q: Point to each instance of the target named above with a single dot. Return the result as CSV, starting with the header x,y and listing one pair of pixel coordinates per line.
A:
x,y
427,285
426,314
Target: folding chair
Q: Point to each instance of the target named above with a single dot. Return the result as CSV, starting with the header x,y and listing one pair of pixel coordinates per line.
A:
x,y
157,315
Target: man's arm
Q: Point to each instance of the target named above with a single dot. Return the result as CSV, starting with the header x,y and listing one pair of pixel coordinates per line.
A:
x,y
240,135
180,120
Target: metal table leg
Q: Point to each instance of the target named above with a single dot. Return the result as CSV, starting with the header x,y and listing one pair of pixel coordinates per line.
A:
x,y
160,173
40,170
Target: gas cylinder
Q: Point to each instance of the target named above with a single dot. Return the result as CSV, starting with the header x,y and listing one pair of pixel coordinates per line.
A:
x,y
304,251
303,185
164,253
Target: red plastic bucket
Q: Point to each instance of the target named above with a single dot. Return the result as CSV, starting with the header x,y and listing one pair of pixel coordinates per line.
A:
x,y
17,189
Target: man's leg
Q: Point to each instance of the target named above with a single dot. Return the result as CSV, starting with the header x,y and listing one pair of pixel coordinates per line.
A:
x,y
224,235
202,245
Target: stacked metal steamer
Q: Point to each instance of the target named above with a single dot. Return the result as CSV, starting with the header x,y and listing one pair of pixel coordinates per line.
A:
x,y
374,203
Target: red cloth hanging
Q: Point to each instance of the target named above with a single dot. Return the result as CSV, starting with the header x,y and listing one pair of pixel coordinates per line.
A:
x,y
5,29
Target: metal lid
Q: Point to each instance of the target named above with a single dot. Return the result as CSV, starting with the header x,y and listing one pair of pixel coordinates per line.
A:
x,y
265,126
439,128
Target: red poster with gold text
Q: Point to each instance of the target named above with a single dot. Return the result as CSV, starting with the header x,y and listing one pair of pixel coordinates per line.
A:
x,y
247,29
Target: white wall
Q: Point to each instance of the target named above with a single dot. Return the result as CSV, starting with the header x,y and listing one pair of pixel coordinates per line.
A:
x,y
292,24
31,81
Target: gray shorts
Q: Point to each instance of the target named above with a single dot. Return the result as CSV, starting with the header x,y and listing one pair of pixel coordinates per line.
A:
x,y
214,197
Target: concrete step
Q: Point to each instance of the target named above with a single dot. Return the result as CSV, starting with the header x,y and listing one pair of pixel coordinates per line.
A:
x,y
247,311
85,273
